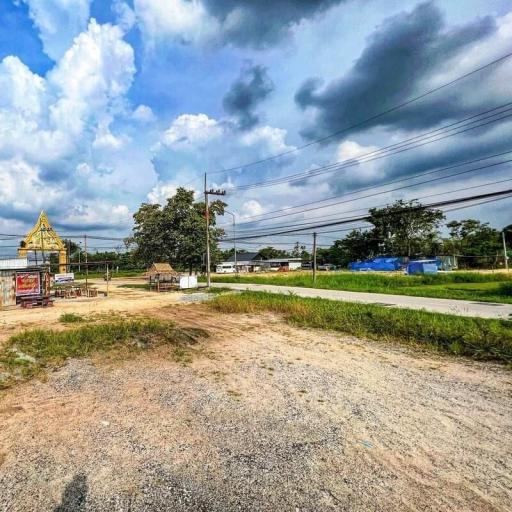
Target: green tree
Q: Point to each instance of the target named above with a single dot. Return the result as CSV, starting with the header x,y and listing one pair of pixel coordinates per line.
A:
x,y
357,245
176,232
479,242
269,253
299,251
406,228
508,235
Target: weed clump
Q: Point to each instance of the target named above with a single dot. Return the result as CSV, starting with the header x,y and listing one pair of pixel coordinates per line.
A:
x,y
71,318
31,352
479,338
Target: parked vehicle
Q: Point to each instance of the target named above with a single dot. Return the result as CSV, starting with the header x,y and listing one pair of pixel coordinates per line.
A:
x,y
327,267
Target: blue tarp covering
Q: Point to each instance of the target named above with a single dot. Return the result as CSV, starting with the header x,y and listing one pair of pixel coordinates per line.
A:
x,y
376,265
422,267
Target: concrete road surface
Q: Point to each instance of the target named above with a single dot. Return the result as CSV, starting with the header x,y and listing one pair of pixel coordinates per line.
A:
x,y
451,306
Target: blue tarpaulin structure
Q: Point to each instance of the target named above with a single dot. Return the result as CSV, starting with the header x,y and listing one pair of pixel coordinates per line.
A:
x,y
422,267
377,265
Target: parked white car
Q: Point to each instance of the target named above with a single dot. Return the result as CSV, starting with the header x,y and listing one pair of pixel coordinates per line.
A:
x,y
225,268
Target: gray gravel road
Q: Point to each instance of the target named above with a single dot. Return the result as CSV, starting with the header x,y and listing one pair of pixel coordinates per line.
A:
x,y
266,417
452,306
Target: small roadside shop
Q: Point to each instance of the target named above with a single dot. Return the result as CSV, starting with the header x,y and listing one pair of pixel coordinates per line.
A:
x,y
24,285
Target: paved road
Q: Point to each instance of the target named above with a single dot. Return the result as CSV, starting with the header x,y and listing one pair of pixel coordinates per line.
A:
x,y
452,306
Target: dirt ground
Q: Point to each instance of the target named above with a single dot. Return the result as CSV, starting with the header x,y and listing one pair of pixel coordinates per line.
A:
x,y
120,300
264,417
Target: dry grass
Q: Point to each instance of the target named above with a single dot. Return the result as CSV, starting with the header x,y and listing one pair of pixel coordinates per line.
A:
x,y
30,352
475,337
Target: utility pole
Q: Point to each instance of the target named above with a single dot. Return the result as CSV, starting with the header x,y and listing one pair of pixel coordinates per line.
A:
x,y
505,249
234,238
208,193
86,266
107,278
69,256
314,258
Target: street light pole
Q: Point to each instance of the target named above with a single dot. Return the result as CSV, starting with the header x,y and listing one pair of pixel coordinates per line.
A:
x,y
234,238
505,249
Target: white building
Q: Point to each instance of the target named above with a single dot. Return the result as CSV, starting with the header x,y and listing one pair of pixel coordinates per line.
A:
x,y
253,262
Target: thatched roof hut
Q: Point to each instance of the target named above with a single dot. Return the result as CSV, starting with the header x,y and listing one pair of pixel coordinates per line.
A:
x,y
161,271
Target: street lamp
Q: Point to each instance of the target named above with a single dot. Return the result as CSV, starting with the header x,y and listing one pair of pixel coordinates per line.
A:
x,y
79,256
234,237
505,255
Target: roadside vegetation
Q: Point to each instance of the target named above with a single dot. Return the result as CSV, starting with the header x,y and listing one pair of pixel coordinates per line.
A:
x,y
474,337
71,318
31,352
454,285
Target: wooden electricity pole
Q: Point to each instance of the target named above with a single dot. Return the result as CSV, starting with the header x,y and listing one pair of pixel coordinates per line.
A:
x,y
86,265
208,193
207,216
314,258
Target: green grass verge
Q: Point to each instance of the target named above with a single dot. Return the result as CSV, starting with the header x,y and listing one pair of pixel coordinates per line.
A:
x,y
71,318
32,351
455,285
475,337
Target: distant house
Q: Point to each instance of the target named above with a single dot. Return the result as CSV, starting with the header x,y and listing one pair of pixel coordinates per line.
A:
x,y
254,262
282,264
245,262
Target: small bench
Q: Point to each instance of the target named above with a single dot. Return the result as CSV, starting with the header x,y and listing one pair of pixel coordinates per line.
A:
x,y
36,301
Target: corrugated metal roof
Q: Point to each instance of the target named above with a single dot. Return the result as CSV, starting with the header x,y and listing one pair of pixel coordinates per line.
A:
x,y
13,263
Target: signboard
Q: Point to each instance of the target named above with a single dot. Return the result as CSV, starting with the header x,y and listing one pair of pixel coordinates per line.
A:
x,y
28,283
187,282
64,278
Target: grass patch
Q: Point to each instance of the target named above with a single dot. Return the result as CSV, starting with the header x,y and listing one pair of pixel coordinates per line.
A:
x,y
32,351
475,337
71,318
453,285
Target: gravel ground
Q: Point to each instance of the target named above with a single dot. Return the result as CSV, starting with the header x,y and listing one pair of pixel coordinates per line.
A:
x,y
265,417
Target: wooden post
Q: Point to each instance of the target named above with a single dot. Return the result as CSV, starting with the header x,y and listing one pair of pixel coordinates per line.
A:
x,y
107,279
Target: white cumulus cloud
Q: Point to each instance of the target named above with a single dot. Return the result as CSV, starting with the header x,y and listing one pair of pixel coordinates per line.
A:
x,y
183,20
58,22
143,114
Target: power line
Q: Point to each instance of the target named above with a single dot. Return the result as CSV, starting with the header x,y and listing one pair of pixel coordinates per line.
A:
x,y
364,189
363,122
365,217
395,189
391,150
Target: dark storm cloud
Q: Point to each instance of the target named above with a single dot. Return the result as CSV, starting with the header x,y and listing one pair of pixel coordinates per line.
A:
x,y
246,93
475,145
400,57
262,23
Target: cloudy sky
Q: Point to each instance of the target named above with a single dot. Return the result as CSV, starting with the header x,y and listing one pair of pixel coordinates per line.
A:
x,y
105,104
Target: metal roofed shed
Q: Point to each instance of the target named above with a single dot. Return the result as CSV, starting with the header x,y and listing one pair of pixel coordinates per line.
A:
x,y
282,264
13,263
